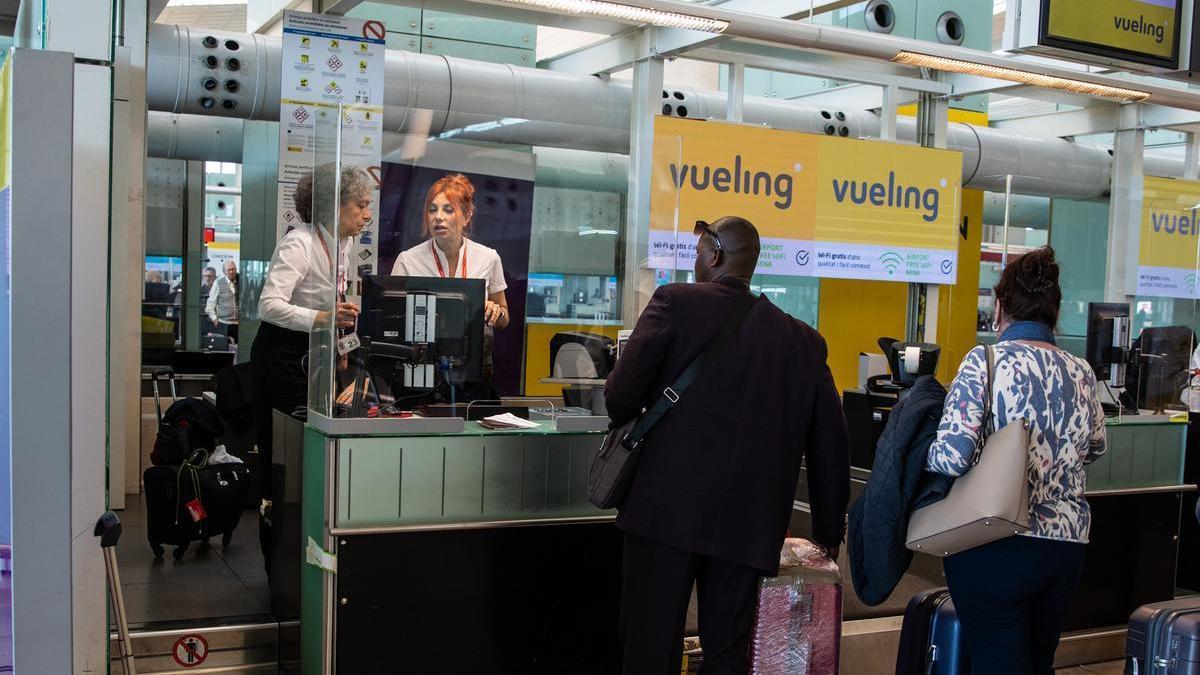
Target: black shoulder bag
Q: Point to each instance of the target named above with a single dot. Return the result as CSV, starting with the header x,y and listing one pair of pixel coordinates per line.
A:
x,y
612,470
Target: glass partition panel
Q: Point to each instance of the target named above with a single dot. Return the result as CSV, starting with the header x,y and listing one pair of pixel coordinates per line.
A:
x,y
1160,300
327,367
1079,235
488,271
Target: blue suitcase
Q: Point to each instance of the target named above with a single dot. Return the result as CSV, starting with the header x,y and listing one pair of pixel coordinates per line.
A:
x,y
931,639
1164,639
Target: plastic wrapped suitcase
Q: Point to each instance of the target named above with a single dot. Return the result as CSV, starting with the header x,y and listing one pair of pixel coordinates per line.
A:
x,y
931,639
172,493
798,625
1164,639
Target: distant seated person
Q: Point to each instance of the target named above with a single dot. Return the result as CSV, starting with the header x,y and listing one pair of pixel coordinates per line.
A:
x,y
222,307
157,295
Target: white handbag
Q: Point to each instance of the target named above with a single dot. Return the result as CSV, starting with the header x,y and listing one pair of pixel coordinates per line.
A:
x,y
987,503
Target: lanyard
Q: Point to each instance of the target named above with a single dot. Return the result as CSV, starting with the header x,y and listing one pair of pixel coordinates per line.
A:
x,y
341,277
438,261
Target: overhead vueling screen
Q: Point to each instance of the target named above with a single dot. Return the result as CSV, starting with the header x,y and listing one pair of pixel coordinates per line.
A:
x,y
1144,31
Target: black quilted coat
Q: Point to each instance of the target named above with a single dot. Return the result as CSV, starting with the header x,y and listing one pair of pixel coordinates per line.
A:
x,y
898,485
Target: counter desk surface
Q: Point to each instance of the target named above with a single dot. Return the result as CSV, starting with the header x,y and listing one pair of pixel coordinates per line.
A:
x,y
441,539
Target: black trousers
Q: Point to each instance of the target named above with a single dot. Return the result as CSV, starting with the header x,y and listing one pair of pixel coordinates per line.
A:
x,y
279,382
657,588
1011,596
229,330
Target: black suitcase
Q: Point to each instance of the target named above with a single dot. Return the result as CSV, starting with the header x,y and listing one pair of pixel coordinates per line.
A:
x,y
931,639
1164,639
219,488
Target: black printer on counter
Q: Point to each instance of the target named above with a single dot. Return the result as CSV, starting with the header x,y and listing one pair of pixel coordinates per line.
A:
x,y
867,407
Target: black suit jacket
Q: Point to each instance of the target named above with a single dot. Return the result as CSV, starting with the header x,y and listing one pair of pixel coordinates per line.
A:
x,y
717,476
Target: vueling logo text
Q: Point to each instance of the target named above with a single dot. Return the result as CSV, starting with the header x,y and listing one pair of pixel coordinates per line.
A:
x,y
1174,223
736,180
892,195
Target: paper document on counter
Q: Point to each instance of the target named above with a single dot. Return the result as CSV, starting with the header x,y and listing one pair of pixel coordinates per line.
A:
x,y
507,421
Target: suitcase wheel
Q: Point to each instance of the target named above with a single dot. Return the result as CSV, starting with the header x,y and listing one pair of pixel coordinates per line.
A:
x,y
178,553
225,539
158,550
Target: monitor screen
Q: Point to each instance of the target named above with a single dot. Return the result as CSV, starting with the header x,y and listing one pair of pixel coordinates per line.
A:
x,y
1163,375
458,327
1142,31
1101,354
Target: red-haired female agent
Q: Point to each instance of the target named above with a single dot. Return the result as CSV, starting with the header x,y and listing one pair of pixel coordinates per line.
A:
x,y
449,209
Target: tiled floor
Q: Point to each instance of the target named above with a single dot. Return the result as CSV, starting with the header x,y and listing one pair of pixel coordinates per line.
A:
x,y
211,582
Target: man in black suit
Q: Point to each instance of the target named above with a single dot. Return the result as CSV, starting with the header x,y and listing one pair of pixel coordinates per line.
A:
x,y
712,497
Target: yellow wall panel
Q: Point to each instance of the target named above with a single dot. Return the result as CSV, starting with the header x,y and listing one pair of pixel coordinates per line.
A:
x,y
852,315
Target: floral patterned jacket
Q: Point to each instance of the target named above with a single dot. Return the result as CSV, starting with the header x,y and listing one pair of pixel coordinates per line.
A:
x,y
1056,391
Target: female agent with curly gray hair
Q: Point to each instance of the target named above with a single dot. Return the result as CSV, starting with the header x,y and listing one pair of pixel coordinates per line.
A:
x,y
300,283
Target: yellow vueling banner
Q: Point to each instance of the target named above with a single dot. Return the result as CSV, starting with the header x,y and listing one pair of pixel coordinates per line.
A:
x,y
1168,257
824,206
1145,27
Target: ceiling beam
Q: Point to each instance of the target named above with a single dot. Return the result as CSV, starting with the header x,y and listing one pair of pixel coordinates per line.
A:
x,y
1099,119
818,64
504,12
603,57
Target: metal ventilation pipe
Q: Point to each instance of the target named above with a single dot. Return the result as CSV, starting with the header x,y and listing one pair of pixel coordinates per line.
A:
x,y
466,99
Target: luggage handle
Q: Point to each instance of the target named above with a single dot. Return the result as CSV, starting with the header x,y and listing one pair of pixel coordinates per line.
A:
x,y
164,372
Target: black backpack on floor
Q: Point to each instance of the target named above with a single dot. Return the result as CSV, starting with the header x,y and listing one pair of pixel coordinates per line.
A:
x,y
189,424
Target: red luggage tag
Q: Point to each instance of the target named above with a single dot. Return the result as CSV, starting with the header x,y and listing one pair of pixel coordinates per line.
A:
x,y
196,510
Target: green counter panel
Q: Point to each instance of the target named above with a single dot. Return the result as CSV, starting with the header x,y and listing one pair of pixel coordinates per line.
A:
x,y
312,579
1141,453
391,481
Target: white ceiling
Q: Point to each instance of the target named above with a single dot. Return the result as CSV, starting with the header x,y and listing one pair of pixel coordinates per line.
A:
x,y
215,17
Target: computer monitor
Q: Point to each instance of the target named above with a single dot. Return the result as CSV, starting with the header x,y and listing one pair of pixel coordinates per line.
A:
x,y
1108,340
1163,373
408,324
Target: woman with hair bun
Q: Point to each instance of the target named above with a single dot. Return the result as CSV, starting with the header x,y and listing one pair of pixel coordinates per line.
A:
x,y
449,210
1012,594
307,264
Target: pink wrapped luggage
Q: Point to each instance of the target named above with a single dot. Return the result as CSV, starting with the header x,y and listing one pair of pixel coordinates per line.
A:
x,y
798,626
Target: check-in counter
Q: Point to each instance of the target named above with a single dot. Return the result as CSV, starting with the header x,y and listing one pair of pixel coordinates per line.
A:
x,y
1135,491
471,551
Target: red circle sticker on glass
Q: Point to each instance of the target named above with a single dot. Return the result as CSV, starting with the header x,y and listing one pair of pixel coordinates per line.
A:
x,y
373,29
190,650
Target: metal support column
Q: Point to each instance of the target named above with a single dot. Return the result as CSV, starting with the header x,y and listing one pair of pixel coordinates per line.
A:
x,y
127,257
39,368
735,88
1125,207
933,121
1191,162
637,282
887,112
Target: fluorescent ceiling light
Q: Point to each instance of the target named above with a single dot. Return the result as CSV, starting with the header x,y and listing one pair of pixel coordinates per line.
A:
x,y
1024,77
630,13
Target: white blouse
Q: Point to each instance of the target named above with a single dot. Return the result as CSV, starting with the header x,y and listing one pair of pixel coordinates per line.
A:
x,y
300,280
481,263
